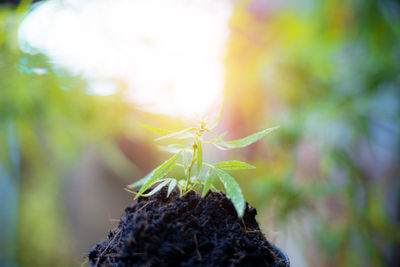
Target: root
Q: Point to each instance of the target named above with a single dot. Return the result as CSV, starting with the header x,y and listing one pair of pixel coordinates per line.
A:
x,y
118,232
197,249
145,205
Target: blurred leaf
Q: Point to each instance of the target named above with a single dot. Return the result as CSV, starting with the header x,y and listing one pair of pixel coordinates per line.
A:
x,y
174,148
215,122
177,135
234,165
249,139
157,130
220,147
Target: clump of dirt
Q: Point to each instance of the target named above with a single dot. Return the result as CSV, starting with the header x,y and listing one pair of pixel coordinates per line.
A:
x,y
186,231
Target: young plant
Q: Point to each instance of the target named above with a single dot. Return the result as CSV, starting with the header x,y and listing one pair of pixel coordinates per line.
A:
x,y
193,165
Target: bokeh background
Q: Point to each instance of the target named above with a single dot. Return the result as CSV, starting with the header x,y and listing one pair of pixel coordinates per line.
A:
x,y
326,185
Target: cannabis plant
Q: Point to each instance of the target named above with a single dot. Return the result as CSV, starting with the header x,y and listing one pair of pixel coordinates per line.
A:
x,y
190,158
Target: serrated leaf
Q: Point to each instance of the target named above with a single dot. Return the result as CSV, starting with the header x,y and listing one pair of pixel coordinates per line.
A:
x,y
157,130
156,189
177,135
234,165
232,190
199,157
207,183
248,140
171,186
158,173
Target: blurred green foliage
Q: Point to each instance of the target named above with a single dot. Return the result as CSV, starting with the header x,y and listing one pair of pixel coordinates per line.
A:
x,y
326,71
52,120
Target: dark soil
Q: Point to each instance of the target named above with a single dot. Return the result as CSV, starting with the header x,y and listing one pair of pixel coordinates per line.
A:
x,y
186,231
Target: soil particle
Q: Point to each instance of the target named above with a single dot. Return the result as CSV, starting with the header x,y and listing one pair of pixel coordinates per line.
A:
x,y
186,231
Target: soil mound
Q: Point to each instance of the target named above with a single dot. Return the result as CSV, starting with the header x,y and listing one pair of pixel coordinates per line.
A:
x,y
186,231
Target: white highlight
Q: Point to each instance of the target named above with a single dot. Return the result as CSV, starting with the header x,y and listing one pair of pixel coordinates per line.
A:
x,y
169,53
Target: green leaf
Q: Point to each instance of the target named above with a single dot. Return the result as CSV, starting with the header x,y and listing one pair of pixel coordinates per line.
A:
x,y
207,182
157,188
179,146
233,191
171,186
220,137
249,139
199,157
158,173
174,148
234,165
139,182
157,130
219,147
216,136
214,123
177,135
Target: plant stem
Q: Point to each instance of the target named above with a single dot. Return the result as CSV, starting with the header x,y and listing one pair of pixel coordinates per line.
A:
x,y
199,133
190,165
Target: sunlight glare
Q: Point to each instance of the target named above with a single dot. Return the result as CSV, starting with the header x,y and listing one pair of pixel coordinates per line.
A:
x,y
169,53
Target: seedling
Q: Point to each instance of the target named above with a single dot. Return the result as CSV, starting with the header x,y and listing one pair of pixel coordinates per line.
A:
x,y
193,165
